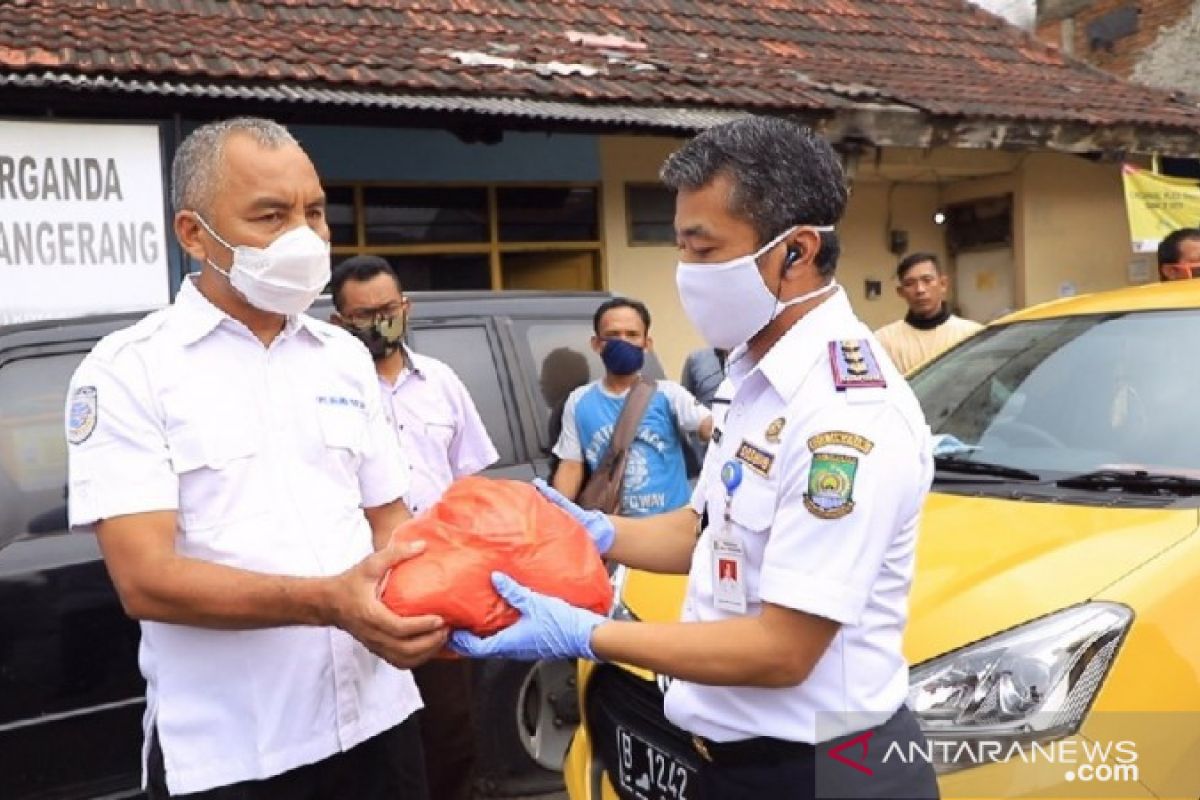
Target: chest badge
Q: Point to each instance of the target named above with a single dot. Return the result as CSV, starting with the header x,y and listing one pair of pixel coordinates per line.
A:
x,y
774,429
854,365
831,485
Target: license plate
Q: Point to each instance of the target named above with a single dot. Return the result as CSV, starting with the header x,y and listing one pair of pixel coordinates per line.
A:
x,y
649,773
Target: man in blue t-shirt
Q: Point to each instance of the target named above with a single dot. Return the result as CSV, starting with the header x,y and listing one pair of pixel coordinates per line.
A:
x,y
655,475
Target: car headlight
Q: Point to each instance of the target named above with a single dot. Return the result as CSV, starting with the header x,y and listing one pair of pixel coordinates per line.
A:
x,y
619,611
1032,683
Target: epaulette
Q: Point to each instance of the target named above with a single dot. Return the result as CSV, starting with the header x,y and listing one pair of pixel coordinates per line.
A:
x,y
854,365
111,345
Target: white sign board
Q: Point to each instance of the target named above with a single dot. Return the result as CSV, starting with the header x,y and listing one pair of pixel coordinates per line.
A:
x,y
82,225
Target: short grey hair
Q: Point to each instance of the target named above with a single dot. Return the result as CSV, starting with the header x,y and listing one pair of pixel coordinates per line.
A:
x,y
198,159
783,174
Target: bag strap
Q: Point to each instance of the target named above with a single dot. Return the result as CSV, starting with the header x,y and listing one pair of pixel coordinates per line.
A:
x,y
631,415
604,486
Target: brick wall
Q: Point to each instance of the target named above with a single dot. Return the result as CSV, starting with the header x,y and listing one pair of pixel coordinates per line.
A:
x,y
1065,22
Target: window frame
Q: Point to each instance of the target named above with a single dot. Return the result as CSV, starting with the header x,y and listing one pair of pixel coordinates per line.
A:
x,y
630,239
493,248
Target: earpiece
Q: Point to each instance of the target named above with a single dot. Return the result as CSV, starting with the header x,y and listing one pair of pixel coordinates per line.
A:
x,y
793,255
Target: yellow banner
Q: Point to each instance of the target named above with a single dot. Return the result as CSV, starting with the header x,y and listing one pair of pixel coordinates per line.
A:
x,y
1157,205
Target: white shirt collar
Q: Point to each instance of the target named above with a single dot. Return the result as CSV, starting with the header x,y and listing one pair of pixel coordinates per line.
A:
x,y
198,317
789,360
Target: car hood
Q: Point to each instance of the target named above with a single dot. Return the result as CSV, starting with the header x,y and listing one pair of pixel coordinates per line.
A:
x,y
987,564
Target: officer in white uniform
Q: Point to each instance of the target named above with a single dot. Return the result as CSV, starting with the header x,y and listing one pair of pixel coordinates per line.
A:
x,y
444,439
811,495
234,459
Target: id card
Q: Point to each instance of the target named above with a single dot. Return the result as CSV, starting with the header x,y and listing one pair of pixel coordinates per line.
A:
x,y
729,576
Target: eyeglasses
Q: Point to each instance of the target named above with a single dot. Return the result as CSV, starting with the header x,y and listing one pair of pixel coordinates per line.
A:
x,y
365,316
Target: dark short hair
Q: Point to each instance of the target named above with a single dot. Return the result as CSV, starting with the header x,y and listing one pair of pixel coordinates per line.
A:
x,y
1168,248
912,259
359,268
783,174
620,302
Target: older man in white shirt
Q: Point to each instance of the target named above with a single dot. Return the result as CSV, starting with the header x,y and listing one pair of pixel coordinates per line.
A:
x,y
443,439
234,459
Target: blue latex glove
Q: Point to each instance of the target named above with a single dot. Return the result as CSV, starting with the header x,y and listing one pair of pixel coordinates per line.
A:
x,y
597,523
549,628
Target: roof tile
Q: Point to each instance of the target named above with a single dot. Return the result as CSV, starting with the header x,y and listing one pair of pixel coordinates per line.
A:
x,y
941,56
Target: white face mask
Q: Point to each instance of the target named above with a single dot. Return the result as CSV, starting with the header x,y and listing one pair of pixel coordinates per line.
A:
x,y
285,277
729,303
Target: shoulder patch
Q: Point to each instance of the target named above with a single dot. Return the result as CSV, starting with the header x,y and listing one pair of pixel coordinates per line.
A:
x,y
843,439
82,415
830,492
854,365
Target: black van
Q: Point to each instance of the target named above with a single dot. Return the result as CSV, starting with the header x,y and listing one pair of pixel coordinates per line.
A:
x,y
71,696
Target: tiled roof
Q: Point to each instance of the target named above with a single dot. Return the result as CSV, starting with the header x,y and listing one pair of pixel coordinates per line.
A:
x,y
942,57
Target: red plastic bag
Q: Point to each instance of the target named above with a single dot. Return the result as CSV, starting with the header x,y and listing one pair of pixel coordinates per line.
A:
x,y
480,526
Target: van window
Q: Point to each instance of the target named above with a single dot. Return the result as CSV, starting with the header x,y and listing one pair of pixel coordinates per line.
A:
x,y
33,449
467,349
563,357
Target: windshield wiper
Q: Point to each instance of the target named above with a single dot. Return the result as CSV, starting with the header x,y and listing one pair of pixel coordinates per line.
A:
x,y
968,466
1138,481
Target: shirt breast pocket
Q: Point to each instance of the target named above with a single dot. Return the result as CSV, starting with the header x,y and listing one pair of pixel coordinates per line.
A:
x,y
753,508
194,447
439,433
343,429
212,464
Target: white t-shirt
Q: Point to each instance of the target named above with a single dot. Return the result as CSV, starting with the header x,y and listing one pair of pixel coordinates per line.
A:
x,y
687,411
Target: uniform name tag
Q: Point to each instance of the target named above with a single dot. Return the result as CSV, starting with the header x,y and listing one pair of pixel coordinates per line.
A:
x,y
755,458
350,402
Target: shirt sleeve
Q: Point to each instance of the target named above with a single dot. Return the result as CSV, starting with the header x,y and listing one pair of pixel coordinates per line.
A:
x,y
471,449
383,473
567,447
117,457
843,507
687,409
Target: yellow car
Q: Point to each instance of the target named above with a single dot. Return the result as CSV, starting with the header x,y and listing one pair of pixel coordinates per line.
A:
x,y
1054,632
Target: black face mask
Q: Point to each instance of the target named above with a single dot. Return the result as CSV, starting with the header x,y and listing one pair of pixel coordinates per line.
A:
x,y
382,337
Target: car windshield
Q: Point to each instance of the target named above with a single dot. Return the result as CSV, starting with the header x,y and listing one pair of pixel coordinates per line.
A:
x,y
1071,395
